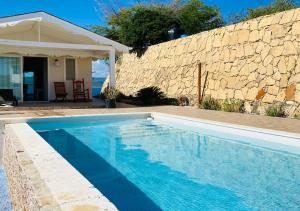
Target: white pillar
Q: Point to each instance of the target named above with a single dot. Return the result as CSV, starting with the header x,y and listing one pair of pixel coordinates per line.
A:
x,y
112,68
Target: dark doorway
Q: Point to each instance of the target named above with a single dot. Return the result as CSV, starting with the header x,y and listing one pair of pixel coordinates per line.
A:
x,y
35,79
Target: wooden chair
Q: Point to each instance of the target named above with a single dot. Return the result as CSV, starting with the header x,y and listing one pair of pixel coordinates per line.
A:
x,y
79,91
60,91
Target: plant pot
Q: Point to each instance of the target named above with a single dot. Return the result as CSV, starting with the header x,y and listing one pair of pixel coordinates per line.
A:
x,y
110,103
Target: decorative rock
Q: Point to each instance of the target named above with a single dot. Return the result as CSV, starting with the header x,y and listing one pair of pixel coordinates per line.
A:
x,y
252,93
267,37
243,35
289,48
268,98
296,28
273,90
255,36
261,93
290,92
238,95
270,81
268,60
276,51
277,76
282,66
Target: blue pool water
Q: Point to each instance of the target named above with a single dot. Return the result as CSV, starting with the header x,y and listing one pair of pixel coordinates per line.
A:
x,y
141,164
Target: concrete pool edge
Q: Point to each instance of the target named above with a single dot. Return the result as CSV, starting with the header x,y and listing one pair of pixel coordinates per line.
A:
x,y
41,179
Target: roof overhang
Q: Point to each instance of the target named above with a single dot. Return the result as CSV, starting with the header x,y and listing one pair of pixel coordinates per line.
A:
x,y
101,43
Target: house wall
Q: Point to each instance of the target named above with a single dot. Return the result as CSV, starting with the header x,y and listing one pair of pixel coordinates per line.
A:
x,y
57,74
256,61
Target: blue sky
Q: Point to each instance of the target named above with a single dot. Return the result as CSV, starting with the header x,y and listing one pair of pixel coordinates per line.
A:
x,y
86,12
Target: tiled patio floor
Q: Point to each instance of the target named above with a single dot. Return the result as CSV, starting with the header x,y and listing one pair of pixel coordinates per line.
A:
x,y
95,103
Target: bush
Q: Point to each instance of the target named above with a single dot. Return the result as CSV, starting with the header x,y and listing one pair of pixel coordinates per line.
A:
x,y
233,105
111,93
150,95
276,111
169,101
184,101
210,104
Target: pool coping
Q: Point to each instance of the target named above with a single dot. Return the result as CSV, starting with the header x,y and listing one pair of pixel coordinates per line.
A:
x,y
40,178
71,190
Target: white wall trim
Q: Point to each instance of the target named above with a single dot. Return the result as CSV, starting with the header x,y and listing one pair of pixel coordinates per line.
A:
x,y
53,45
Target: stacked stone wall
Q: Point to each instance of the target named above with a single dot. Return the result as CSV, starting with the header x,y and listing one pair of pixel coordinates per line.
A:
x,y
256,61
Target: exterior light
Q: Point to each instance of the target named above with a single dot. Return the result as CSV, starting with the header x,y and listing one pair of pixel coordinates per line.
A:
x,y
56,63
171,33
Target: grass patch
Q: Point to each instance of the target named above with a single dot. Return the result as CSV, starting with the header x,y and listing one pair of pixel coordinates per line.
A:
x,y
276,111
233,105
210,104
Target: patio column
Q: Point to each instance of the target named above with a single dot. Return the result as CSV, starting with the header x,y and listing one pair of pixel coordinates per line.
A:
x,y
112,68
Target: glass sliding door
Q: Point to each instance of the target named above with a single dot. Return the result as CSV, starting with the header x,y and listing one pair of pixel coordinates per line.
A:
x,y
10,75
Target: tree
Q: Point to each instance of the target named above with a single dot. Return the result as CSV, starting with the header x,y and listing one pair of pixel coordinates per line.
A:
x,y
274,7
196,17
148,24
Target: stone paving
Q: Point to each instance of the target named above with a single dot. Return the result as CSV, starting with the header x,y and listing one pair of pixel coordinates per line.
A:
x,y
273,123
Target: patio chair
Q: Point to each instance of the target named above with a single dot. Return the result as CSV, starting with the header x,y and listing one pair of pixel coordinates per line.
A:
x,y
7,95
80,93
60,91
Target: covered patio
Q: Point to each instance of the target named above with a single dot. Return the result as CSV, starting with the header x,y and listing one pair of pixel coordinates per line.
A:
x,y
38,49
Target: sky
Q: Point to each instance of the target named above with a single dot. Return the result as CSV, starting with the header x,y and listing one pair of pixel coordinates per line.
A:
x,y
86,13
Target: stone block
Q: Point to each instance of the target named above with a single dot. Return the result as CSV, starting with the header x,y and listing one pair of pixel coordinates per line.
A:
x,y
290,92
296,28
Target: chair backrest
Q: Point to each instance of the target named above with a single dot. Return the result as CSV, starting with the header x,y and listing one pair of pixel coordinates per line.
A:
x,y
6,94
78,85
60,87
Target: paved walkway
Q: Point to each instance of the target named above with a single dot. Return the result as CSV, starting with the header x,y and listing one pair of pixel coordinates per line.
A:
x,y
274,123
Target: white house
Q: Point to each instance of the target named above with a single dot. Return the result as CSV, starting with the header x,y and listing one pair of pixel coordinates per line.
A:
x,y
38,49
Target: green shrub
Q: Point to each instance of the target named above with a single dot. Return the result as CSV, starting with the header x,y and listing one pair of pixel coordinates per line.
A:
x,y
150,95
210,104
169,101
276,111
112,93
233,105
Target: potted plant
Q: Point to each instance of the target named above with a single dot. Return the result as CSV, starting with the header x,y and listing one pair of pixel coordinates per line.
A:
x,y
110,97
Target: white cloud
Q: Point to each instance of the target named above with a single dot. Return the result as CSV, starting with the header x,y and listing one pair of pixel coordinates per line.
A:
x,y
100,69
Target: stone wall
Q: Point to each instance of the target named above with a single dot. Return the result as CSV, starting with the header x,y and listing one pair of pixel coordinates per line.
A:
x,y
255,61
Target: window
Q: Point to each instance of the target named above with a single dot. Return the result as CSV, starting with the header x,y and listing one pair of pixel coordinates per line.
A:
x,y
10,75
70,69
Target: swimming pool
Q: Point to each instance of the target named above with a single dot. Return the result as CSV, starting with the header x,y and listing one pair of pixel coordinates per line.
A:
x,y
167,163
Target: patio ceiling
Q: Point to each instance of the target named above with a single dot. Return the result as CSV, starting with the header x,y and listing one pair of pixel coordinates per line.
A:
x,y
44,33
